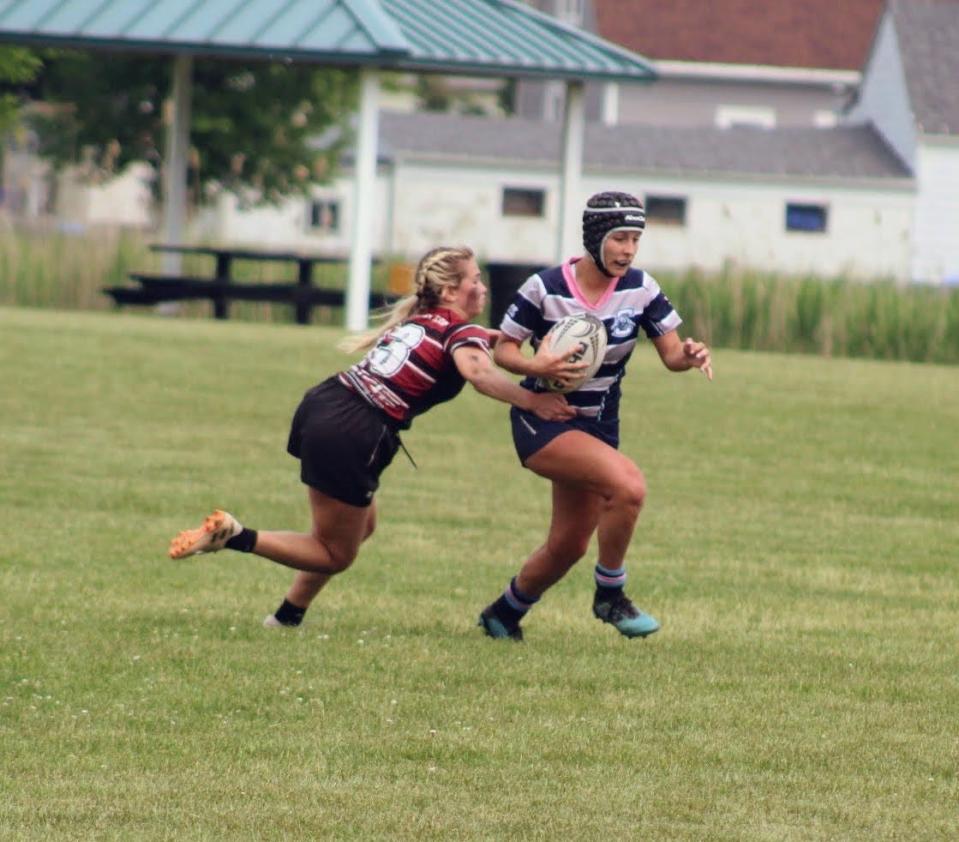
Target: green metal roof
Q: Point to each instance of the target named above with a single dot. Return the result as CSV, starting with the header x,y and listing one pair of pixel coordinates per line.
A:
x,y
476,37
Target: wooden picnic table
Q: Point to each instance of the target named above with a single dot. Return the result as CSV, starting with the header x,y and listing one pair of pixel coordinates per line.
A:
x,y
221,288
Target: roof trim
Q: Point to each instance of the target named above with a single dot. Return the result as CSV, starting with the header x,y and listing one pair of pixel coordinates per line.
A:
x,y
389,35
756,72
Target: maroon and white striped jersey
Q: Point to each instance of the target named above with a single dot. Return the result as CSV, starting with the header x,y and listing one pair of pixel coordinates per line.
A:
x,y
411,369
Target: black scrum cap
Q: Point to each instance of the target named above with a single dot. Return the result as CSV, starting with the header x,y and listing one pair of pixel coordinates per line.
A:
x,y
608,212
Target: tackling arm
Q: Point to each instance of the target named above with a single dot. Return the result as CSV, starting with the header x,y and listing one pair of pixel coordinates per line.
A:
x,y
476,366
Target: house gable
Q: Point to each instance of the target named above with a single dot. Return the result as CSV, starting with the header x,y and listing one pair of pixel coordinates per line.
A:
x,y
782,33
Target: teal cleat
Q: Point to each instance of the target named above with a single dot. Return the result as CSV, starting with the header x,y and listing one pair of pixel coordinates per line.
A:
x,y
494,627
628,620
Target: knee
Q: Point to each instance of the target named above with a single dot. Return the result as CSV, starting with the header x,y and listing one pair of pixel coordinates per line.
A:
x,y
630,490
333,558
566,550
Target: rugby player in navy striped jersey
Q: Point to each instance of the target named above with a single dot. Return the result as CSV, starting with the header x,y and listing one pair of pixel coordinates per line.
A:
x,y
345,430
595,487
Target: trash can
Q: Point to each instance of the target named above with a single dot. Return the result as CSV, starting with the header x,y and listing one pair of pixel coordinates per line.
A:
x,y
504,280
399,282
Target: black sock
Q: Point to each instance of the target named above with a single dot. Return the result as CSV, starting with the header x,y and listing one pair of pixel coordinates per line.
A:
x,y
512,606
607,594
289,614
245,541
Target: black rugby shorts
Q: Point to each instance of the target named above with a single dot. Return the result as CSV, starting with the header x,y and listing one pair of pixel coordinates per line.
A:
x,y
343,443
532,433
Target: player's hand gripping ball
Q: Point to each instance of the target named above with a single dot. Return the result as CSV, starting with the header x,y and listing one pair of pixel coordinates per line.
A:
x,y
581,338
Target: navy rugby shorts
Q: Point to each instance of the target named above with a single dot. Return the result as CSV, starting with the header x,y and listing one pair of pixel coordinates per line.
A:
x,y
531,433
343,443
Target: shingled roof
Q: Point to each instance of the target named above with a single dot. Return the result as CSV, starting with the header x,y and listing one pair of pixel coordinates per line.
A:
x,y
843,153
928,36
822,34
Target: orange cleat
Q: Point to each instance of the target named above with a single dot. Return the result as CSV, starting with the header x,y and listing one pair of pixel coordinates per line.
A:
x,y
216,530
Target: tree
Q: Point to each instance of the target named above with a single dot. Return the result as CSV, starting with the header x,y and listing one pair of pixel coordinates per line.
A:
x,y
253,126
18,66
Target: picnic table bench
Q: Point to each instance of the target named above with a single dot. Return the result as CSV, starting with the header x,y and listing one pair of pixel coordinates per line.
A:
x,y
221,288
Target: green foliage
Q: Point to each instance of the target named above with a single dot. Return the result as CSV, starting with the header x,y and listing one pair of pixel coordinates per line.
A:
x,y
832,317
251,124
18,66
798,544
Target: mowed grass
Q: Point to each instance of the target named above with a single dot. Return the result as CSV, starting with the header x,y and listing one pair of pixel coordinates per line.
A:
x,y
798,545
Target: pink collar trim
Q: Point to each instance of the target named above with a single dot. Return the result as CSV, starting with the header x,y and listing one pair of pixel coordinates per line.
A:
x,y
570,277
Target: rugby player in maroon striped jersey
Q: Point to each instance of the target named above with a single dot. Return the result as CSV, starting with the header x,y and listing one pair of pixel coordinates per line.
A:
x,y
345,431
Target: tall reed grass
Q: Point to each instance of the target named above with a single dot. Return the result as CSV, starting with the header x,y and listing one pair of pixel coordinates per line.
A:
x,y
46,267
831,317
49,268
54,269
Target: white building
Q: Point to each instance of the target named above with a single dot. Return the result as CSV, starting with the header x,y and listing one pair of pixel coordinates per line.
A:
x,y
799,201
910,92
772,64
876,196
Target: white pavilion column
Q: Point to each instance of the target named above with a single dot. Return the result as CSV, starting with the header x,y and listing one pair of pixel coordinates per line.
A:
x,y
364,184
569,240
175,160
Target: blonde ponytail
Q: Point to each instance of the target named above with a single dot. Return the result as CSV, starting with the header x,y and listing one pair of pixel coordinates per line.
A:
x,y
438,269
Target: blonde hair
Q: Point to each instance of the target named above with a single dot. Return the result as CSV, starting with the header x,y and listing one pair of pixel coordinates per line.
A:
x,y
439,269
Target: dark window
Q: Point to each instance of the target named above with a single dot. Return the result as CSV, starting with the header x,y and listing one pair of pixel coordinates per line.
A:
x,y
666,210
518,202
811,218
325,214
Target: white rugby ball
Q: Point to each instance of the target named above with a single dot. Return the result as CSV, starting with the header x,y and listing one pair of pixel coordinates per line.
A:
x,y
582,338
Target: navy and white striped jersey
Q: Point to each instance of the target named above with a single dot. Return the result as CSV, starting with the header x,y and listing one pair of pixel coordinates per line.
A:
x,y
632,302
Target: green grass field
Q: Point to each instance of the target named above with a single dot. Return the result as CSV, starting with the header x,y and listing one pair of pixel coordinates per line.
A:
x,y
798,545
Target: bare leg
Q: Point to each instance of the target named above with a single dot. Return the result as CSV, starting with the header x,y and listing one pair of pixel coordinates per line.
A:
x,y
306,585
338,531
575,515
594,487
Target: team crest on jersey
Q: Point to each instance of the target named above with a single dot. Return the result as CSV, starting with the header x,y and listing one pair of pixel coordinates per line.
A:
x,y
623,325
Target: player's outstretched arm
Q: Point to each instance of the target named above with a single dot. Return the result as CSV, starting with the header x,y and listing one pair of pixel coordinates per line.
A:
x,y
476,367
682,355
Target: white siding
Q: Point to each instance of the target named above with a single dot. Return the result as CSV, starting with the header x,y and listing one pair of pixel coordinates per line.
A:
x,y
456,204
735,222
884,97
867,234
286,225
936,241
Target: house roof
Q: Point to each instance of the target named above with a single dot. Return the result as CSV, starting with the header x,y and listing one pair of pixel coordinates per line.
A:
x,y
841,153
824,34
928,37
478,37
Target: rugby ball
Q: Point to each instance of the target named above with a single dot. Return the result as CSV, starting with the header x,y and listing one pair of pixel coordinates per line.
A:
x,y
582,338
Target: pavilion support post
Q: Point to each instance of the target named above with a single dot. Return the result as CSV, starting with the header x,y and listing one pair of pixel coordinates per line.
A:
x,y
175,160
569,241
364,185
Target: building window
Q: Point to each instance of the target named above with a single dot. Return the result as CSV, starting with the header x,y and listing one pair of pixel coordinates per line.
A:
x,y
825,119
757,117
570,11
325,215
518,201
666,210
808,218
